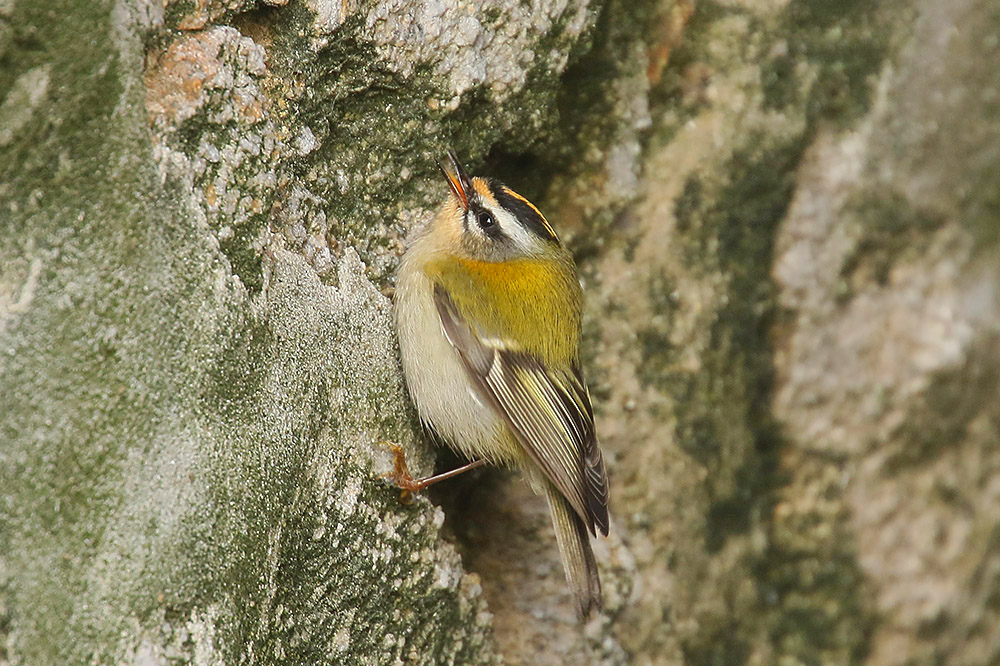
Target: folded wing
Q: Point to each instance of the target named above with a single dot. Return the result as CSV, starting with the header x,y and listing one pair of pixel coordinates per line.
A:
x,y
548,409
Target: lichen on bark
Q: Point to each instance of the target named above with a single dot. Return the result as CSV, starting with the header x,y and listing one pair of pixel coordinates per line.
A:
x,y
788,245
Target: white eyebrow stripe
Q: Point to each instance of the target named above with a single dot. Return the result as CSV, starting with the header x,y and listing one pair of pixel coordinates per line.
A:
x,y
522,237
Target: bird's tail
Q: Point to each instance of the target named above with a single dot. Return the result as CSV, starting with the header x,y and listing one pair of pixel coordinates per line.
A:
x,y
576,555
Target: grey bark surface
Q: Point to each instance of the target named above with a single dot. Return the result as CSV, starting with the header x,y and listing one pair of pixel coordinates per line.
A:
x,y
787,224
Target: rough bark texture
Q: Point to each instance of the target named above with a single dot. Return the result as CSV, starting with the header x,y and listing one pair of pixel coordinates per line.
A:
x,y
787,220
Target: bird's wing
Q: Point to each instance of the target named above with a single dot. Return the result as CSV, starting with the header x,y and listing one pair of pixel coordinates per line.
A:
x,y
548,410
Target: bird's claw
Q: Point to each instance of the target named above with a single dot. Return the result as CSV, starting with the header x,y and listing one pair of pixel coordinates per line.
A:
x,y
400,475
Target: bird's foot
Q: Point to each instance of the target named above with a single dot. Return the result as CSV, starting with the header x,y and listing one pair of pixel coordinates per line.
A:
x,y
400,475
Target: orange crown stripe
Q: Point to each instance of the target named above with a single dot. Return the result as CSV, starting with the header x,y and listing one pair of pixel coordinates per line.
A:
x,y
545,222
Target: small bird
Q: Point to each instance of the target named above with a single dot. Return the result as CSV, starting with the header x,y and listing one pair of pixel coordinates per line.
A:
x,y
488,309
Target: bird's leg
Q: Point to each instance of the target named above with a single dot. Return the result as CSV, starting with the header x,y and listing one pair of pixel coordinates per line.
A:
x,y
400,475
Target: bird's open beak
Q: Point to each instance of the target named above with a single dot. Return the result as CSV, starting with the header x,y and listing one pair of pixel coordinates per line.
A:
x,y
457,178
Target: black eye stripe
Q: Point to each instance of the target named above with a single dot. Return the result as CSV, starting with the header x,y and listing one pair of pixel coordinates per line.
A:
x,y
485,219
522,210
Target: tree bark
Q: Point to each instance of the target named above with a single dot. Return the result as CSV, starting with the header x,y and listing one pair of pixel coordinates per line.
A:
x,y
786,220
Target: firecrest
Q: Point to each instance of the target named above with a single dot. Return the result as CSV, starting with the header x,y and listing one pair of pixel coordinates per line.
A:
x,y
488,308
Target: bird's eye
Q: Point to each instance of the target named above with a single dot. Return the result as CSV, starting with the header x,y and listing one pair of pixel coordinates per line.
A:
x,y
486,220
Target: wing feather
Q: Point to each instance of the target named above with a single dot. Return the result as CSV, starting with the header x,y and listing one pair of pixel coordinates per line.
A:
x,y
549,411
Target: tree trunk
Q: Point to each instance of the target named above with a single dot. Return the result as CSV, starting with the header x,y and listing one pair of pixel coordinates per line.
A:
x,y
787,222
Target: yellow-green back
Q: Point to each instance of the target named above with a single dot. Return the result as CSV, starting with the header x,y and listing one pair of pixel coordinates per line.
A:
x,y
530,304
